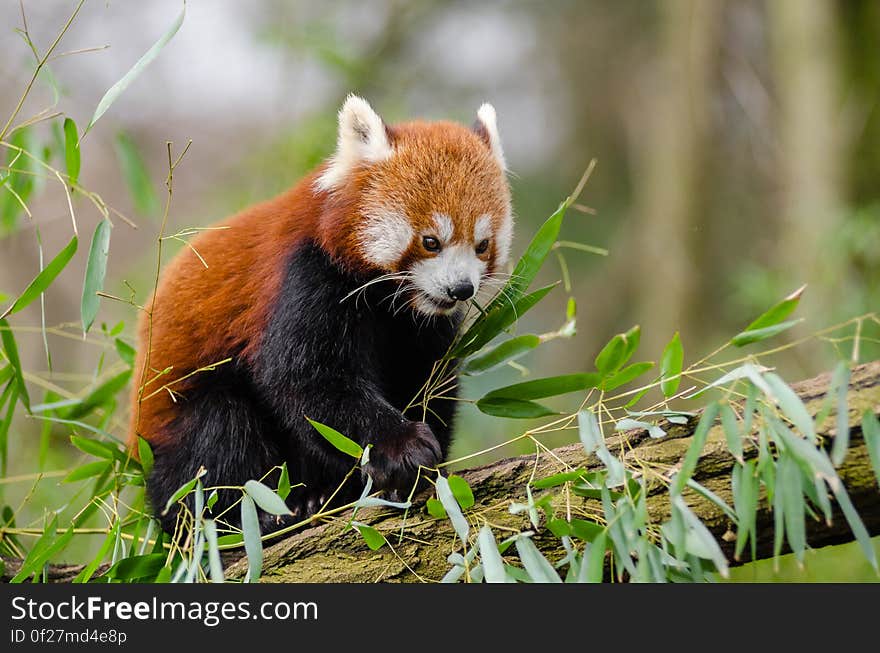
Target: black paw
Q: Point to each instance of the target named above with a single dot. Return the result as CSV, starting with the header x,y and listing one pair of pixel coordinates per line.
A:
x,y
395,460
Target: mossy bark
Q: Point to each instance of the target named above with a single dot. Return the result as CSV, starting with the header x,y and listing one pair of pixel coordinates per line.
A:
x,y
419,544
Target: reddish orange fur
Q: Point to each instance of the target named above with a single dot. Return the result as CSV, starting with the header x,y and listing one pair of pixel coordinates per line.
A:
x,y
204,315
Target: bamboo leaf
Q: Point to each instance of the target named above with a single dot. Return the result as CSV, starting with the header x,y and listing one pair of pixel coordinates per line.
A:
x,y
96,270
461,490
71,150
373,538
626,375
493,565
871,433
253,546
840,446
42,281
266,498
341,442
444,493
546,387
670,366
731,431
513,408
538,567
791,405
215,566
119,87
499,355
756,335
777,313
696,448
136,175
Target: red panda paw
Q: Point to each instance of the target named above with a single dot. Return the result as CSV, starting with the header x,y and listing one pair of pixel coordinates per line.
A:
x,y
395,460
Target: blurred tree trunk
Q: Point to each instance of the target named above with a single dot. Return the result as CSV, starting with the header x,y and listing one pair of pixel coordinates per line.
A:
x,y
805,60
669,139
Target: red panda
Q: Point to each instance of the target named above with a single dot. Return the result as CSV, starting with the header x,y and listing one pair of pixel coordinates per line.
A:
x,y
333,301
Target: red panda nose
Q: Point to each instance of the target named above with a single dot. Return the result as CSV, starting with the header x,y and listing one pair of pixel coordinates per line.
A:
x,y
461,291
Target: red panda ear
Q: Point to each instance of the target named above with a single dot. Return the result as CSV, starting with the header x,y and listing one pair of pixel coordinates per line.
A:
x,y
486,128
362,138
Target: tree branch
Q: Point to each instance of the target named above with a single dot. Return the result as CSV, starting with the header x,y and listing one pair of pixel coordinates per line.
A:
x,y
419,545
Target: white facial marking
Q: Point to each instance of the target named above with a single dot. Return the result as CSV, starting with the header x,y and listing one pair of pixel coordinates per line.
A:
x,y
385,236
433,277
361,138
503,240
486,115
482,228
445,228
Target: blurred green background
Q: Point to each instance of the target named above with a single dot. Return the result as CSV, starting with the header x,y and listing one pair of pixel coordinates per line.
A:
x,y
738,148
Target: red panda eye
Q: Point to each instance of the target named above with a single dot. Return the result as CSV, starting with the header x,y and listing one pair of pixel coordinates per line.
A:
x,y
431,244
483,246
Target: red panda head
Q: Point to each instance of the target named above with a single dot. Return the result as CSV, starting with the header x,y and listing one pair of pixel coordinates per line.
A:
x,y
426,202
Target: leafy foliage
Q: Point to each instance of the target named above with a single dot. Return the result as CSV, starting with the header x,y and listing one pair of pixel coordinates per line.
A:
x,y
781,455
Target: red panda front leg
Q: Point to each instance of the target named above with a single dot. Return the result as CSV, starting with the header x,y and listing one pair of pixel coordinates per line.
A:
x,y
400,446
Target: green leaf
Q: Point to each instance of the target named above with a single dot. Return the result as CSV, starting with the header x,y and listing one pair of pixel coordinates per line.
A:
x,y
136,175
538,567
49,544
71,150
714,498
589,431
126,351
87,471
558,479
435,508
215,566
778,312
119,87
250,527
586,530
546,387
791,405
96,448
44,278
341,442
499,355
610,358
284,482
731,431
840,446
493,565
626,375
92,567
496,320
145,455
756,335
96,269
266,498
871,433
670,366
592,569
461,490
136,567
513,408
100,396
745,501
181,492
791,493
696,448
373,538
447,498
533,258
855,524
